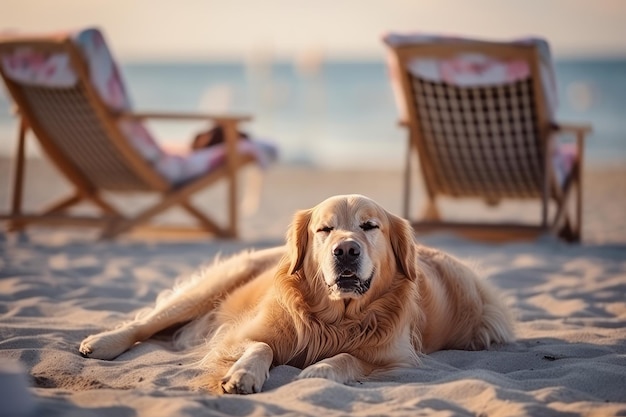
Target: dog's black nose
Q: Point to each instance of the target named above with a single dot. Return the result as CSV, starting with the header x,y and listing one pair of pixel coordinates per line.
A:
x,y
347,251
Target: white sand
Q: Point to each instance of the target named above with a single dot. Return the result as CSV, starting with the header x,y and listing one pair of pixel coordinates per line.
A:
x,y
58,286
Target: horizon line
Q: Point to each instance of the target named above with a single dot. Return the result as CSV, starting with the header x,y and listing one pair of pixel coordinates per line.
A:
x,y
238,59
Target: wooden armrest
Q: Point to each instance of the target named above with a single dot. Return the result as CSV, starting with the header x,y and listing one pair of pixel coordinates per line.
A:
x,y
186,116
571,128
580,131
403,123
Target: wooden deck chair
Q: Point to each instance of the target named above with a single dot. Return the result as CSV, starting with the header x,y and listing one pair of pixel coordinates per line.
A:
x,y
68,91
480,120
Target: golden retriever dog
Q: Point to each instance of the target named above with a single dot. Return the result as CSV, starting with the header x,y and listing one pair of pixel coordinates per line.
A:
x,y
350,295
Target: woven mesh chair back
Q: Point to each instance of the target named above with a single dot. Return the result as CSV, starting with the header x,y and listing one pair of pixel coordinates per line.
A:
x,y
480,141
71,123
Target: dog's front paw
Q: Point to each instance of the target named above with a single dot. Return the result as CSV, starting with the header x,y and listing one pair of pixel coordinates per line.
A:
x,y
241,382
107,345
321,370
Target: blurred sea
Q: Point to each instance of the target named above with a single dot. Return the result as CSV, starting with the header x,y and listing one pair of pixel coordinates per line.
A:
x,y
340,114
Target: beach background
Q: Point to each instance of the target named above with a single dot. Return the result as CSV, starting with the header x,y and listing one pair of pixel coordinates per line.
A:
x,y
315,81
333,113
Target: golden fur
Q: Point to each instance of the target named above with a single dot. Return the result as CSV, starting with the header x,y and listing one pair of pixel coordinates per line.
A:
x,y
350,293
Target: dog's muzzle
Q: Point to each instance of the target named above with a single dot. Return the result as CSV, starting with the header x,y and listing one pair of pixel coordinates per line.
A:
x,y
347,255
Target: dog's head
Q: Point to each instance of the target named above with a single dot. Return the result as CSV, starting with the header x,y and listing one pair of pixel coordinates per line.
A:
x,y
350,242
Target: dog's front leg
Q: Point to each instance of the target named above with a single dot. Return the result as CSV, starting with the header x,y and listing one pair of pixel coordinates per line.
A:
x,y
341,368
250,371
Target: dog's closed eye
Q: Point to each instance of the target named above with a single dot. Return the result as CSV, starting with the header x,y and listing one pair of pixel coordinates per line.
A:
x,y
325,229
368,225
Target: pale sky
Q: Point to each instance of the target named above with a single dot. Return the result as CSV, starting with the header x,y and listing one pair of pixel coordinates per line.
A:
x,y
197,29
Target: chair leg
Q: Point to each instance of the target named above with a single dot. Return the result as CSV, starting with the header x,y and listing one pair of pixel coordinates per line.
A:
x,y
580,144
561,212
206,223
407,180
232,165
175,197
63,204
567,232
178,196
562,224
104,206
18,177
431,212
576,179
121,225
576,230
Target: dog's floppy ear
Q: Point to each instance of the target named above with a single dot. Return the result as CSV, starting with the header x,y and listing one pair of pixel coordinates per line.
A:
x,y
298,239
403,244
